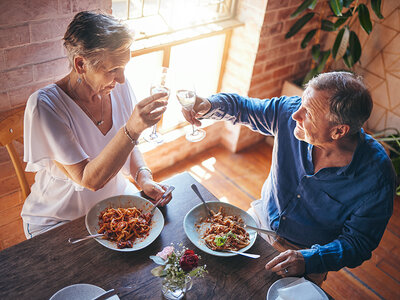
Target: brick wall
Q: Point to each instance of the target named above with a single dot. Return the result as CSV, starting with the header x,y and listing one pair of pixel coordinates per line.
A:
x,y
261,59
31,56
31,50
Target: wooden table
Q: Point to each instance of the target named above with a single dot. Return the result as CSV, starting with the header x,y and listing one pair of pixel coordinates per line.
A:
x,y
39,267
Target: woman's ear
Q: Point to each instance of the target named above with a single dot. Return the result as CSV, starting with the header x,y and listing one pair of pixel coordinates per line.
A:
x,y
340,131
79,64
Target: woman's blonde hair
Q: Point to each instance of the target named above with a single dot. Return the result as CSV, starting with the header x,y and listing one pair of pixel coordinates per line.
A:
x,y
95,35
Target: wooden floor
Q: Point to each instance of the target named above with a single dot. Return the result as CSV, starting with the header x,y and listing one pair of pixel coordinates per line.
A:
x,y
237,179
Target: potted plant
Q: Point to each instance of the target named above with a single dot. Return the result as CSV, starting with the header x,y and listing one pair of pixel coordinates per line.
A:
x,y
390,139
334,16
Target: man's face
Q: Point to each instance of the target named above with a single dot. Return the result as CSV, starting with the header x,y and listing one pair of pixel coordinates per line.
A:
x,y
312,118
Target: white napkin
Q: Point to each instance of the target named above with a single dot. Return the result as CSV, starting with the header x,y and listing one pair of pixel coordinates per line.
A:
x,y
299,289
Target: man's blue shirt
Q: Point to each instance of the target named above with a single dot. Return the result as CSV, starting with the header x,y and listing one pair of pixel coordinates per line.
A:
x,y
339,214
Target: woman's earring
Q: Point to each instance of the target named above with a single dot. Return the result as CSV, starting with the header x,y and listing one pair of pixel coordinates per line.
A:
x,y
79,80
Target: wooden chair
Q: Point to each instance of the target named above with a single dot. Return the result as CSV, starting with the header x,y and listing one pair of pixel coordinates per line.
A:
x,y
11,128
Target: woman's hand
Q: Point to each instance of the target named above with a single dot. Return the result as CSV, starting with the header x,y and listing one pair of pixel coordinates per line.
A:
x,y
288,263
201,107
147,113
155,190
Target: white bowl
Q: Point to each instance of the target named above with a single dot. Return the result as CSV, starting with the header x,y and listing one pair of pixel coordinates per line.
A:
x,y
125,201
194,234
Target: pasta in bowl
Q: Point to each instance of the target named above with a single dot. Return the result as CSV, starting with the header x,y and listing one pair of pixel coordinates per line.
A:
x,y
125,222
213,235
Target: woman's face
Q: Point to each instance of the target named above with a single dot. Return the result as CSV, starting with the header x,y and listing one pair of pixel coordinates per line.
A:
x,y
111,71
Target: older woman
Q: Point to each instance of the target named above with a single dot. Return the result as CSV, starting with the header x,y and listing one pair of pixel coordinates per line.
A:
x,y
80,133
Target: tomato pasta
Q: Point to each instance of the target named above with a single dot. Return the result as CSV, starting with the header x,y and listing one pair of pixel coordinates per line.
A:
x,y
225,232
124,225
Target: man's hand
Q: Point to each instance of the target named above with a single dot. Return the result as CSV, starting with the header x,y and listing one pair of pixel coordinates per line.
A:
x,y
201,107
288,263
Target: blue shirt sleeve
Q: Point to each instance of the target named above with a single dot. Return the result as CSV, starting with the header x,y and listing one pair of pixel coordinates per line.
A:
x,y
259,115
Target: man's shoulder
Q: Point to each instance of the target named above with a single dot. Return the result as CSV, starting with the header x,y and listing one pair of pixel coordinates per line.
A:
x,y
375,159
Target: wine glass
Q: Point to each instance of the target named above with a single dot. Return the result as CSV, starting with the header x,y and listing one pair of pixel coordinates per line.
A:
x,y
187,98
158,85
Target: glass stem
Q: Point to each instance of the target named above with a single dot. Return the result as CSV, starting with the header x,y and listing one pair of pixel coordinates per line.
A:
x,y
193,129
154,129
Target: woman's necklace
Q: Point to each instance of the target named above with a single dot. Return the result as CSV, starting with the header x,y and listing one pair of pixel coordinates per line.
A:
x,y
72,91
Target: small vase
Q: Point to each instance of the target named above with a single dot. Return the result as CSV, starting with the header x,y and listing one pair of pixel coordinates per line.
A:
x,y
175,289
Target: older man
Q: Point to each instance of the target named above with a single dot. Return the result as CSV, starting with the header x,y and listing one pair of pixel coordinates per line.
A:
x,y
331,186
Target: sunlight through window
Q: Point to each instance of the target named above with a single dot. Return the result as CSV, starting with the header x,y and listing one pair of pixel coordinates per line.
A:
x,y
200,172
209,164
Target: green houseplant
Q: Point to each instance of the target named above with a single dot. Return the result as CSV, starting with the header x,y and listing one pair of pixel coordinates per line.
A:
x,y
390,139
333,16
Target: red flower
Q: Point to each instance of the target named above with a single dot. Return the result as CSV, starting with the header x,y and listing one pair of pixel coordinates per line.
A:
x,y
188,261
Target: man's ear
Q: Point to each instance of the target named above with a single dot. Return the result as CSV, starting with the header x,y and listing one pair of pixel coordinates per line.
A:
x,y
79,64
339,131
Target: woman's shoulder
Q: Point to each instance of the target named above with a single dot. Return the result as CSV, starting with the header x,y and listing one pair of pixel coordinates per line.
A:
x,y
49,98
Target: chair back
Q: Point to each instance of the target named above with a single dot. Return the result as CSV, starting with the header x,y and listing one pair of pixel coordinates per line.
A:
x,y
11,129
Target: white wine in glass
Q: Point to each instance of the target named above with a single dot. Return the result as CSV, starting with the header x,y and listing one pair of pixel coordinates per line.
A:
x,y
187,98
159,85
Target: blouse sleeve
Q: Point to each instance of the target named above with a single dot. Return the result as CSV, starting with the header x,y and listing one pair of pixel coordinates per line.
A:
x,y
48,135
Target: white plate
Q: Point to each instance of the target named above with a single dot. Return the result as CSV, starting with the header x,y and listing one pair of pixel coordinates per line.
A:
x,y
125,201
81,291
194,234
281,283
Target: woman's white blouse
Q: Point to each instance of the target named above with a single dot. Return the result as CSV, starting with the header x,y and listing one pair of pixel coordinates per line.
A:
x,y
57,129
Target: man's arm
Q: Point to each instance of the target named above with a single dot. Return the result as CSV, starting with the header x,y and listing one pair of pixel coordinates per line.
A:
x,y
259,115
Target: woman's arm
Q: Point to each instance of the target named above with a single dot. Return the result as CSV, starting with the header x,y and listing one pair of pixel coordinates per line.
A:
x,y
94,174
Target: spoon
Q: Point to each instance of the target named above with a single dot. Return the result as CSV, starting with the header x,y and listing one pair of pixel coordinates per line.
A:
x,y
196,190
243,253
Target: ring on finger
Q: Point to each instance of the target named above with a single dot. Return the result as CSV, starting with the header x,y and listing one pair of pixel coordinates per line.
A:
x,y
286,270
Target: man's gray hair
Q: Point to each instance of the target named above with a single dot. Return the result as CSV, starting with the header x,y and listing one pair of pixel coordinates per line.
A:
x,y
95,35
349,99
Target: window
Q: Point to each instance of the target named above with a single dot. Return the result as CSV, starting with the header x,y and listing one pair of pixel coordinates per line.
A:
x,y
188,36
152,17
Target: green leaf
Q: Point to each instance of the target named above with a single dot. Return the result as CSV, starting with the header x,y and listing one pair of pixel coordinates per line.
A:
x,y
324,57
158,271
313,4
341,20
337,6
341,43
310,75
220,241
348,60
363,16
346,3
327,25
376,7
303,6
308,38
337,42
195,271
158,260
354,47
299,24
315,51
